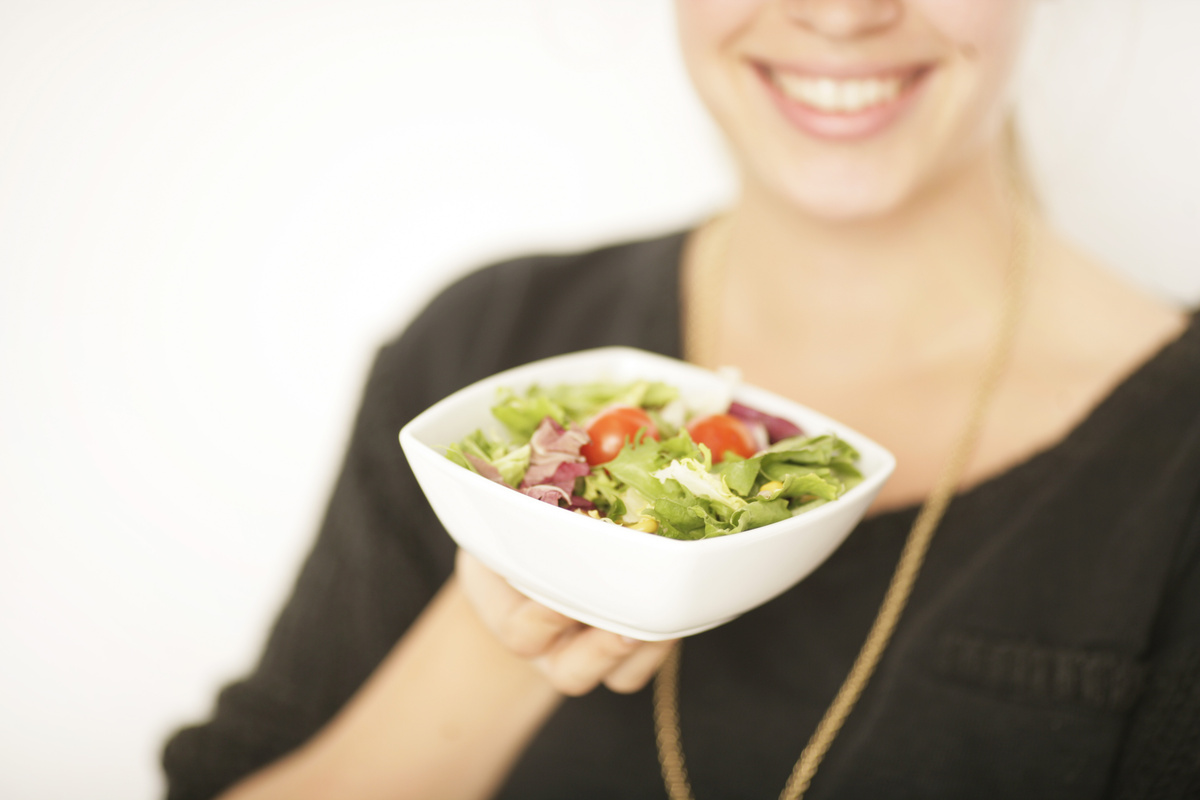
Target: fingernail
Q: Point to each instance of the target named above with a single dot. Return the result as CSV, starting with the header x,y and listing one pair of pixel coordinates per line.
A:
x,y
629,640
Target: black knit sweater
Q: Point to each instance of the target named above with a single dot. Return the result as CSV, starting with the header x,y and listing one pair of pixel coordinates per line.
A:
x,y
1051,647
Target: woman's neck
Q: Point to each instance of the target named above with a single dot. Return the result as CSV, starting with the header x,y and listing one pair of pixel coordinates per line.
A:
x,y
928,273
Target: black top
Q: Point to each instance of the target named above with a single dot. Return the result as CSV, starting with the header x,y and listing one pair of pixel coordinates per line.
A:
x,y
1051,647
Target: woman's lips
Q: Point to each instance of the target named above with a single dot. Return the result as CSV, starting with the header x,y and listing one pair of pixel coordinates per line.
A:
x,y
842,106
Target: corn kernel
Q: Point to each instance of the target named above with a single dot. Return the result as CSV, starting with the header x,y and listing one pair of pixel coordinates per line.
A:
x,y
646,525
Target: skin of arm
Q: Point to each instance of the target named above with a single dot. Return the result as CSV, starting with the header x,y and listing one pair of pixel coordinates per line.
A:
x,y
448,695
470,684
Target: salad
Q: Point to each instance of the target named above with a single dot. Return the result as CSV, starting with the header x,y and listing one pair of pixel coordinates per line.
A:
x,y
633,454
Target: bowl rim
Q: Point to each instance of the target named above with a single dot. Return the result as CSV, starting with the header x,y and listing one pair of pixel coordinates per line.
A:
x,y
412,444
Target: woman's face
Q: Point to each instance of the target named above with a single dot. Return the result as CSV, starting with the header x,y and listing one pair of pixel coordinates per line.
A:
x,y
847,108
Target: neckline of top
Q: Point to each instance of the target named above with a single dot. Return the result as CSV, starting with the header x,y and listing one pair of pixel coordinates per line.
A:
x,y
1157,369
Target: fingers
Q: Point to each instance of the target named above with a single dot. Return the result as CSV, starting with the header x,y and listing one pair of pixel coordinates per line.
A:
x,y
532,629
581,660
523,626
574,657
636,671
584,659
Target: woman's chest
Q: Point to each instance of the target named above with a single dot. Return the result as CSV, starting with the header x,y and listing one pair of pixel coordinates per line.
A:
x,y
1012,674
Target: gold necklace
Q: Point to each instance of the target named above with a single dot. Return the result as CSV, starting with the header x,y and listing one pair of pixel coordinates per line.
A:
x,y
666,683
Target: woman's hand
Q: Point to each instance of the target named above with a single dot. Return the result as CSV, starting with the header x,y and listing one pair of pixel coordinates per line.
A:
x,y
574,657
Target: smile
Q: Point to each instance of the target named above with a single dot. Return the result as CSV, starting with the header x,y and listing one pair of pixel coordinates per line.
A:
x,y
842,106
839,96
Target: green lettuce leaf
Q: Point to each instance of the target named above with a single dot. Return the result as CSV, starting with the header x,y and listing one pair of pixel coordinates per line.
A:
x,y
635,466
691,475
583,400
513,465
522,415
477,444
741,474
761,512
677,520
511,462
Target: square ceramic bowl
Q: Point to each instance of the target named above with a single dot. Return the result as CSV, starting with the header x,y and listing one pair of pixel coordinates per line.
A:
x,y
633,583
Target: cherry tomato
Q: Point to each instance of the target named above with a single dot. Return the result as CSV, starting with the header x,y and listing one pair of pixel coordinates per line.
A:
x,y
722,432
611,429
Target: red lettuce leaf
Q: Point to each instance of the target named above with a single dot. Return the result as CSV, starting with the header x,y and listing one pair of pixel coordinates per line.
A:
x,y
581,503
553,447
485,468
547,493
777,427
555,462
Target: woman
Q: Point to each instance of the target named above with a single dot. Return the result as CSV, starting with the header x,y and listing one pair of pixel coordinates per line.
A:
x,y
878,254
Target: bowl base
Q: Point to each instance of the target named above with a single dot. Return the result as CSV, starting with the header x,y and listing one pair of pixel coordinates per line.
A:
x,y
616,627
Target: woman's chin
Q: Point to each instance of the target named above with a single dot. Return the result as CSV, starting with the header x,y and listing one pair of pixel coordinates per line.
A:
x,y
834,191
841,203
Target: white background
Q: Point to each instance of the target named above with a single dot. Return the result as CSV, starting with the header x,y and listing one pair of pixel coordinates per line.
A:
x,y
212,211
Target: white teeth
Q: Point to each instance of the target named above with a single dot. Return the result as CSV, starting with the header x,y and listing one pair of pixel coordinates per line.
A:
x,y
838,96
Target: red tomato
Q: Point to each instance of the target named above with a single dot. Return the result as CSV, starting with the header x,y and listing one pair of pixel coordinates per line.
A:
x,y
611,429
722,432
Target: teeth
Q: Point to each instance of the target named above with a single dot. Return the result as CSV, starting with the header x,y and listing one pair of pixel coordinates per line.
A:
x,y
837,96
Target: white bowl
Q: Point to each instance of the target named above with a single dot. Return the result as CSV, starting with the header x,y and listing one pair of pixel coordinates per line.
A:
x,y
637,584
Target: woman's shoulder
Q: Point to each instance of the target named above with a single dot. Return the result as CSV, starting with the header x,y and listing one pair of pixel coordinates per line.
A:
x,y
521,309
554,272
1096,354
1151,415
1096,319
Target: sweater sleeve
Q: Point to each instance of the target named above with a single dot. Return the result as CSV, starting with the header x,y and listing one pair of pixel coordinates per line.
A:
x,y
381,553
379,556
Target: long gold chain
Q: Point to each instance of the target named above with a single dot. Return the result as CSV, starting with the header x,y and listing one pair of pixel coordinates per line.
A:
x,y
666,684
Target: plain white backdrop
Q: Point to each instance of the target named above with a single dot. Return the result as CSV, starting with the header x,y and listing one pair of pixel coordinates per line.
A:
x,y
212,212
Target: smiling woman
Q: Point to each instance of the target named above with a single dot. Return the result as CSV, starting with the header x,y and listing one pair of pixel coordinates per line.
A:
x,y
884,261
884,100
